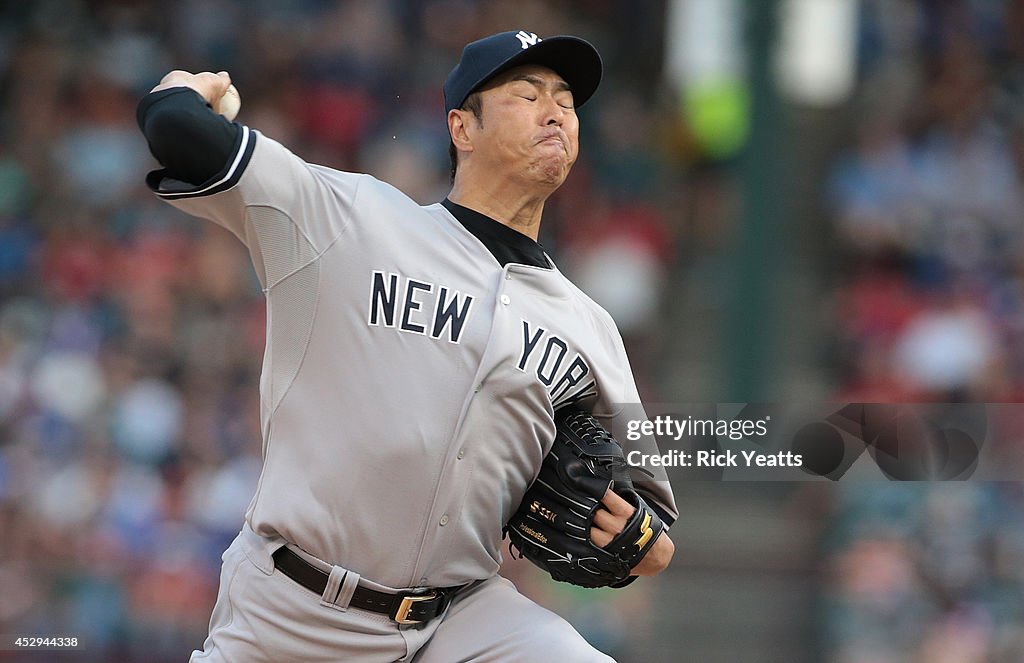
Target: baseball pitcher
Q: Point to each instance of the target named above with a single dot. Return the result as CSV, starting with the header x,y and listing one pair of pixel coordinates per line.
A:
x,y
431,383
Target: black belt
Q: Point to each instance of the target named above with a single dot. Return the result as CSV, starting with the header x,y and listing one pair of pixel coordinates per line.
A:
x,y
405,607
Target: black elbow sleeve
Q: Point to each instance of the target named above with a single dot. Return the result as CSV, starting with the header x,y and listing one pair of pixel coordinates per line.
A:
x,y
190,141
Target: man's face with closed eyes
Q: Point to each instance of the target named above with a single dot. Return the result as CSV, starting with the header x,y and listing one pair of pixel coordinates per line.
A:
x,y
528,127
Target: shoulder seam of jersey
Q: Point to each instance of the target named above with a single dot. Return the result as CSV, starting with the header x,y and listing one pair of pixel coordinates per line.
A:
x,y
347,219
317,256
230,178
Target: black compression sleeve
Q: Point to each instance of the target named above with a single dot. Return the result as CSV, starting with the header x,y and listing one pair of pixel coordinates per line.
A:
x,y
190,140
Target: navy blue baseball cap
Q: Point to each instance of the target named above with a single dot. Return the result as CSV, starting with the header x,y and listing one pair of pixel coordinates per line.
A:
x,y
574,59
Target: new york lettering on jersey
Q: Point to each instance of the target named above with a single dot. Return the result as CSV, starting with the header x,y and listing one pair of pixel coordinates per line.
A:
x,y
421,307
546,354
418,306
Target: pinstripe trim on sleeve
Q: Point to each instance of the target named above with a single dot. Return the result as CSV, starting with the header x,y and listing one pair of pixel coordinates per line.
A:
x,y
171,189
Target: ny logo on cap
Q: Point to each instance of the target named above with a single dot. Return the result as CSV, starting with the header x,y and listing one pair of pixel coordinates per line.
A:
x,y
527,39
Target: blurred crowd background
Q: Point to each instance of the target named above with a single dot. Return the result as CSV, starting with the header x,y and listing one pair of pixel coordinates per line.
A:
x,y
767,216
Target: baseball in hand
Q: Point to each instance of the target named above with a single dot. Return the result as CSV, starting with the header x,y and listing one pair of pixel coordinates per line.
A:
x,y
230,103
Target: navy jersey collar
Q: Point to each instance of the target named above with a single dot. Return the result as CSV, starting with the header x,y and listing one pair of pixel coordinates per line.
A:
x,y
505,244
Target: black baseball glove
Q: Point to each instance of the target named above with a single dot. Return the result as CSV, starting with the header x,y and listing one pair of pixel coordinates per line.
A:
x,y
551,528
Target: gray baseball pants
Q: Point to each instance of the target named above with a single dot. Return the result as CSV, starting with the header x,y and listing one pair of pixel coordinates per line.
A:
x,y
262,615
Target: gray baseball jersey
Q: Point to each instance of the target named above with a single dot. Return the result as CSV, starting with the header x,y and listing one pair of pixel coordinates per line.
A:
x,y
409,380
